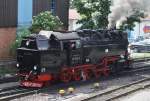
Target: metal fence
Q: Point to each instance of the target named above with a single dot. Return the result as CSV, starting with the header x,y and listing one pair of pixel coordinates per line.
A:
x,y
8,13
62,7
40,5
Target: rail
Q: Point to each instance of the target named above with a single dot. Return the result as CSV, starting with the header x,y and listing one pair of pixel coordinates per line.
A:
x,y
120,91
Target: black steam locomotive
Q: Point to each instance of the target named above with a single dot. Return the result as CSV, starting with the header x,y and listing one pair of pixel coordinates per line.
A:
x,y
65,56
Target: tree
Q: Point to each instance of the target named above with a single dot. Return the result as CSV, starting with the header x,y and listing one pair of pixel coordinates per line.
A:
x,y
71,2
21,32
94,13
129,24
45,21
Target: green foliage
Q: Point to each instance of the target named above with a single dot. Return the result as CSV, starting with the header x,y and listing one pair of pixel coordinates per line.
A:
x,y
7,70
94,13
71,2
22,32
129,24
45,21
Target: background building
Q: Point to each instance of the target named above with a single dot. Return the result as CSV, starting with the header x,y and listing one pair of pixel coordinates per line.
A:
x,y
19,13
74,16
141,29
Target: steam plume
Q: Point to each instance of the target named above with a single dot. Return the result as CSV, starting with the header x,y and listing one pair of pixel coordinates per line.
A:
x,y
121,9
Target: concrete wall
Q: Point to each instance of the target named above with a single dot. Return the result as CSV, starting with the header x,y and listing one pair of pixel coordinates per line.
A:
x,y
7,36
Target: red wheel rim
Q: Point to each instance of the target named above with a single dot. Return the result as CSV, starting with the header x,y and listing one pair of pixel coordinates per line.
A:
x,y
106,73
97,74
77,75
65,76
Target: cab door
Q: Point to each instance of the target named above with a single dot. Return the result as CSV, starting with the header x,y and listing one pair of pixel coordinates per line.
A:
x,y
73,52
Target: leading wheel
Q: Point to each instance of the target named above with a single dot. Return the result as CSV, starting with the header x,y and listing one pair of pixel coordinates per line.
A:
x,y
97,74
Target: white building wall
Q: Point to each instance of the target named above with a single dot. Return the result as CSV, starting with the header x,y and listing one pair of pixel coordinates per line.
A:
x,y
139,29
73,25
70,25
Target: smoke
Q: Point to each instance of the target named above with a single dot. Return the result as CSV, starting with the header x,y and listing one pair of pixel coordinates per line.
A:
x,y
121,9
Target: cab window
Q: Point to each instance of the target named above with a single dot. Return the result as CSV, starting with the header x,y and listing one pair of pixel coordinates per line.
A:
x,y
29,43
43,44
78,44
73,45
54,44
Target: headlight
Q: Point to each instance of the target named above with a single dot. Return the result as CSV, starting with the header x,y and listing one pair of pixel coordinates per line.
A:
x,y
106,50
17,65
122,56
35,67
27,43
87,60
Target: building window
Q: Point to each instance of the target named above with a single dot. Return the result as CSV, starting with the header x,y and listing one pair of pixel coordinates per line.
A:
x,y
53,6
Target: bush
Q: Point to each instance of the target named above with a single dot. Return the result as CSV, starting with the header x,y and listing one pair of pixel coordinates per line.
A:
x,y
45,21
22,32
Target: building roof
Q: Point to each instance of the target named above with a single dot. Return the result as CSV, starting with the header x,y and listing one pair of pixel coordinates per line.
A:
x,y
73,14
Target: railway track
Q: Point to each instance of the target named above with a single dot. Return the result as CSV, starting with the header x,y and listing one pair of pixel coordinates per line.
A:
x,y
139,69
10,93
120,91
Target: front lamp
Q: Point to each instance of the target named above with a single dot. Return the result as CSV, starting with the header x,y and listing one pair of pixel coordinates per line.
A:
x,y
17,65
35,67
121,56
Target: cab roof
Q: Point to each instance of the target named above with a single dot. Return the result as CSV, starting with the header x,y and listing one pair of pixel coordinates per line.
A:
x,y
60,35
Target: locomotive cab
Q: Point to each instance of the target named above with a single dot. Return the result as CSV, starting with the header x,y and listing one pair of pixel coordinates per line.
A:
x,y
70,46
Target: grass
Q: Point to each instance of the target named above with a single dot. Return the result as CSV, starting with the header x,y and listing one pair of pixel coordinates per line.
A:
x,y
7,70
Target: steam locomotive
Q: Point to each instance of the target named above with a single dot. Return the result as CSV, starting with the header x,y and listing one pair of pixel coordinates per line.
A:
x,y
51,56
